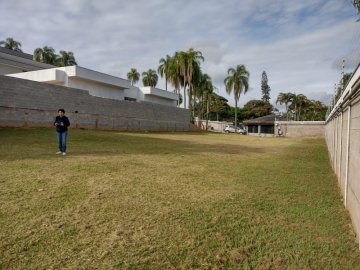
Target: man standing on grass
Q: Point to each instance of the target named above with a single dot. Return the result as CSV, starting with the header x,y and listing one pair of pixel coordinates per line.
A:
x,y
61,123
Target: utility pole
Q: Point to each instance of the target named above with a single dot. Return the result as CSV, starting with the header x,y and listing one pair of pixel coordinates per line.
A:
x,y
342,76
334,99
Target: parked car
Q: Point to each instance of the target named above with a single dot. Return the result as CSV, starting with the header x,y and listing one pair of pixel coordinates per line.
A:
x,y
231,129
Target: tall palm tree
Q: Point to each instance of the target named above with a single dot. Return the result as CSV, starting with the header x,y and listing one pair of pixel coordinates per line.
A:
x,y
66,59
238,83
163,68
298,103
133,76
11,44
150,78
45,55
208,91
301,101
181,63
192,71
201,89
175,79
285,98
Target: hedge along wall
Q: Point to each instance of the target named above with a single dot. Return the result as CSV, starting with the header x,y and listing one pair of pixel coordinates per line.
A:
x,y
25,103
342,135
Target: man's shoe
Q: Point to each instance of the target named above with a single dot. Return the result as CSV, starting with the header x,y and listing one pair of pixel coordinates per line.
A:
x,y
64,154
58,153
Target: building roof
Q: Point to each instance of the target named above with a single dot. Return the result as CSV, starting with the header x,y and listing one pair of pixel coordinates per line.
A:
x,y
16,53
60,74
20,61
147,90
264,120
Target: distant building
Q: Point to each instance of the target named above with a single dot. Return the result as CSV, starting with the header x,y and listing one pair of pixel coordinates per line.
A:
x,y
15,62
21,65
262,126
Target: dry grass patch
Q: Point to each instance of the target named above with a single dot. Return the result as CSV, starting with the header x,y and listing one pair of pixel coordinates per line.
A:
x,y
163,201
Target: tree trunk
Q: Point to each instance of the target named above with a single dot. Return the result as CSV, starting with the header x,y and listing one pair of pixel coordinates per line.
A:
x,y
287,112
235,114
190,101
207,113
202,107
184,97
165,83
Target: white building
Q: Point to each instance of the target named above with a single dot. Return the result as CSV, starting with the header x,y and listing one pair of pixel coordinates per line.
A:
x,y
96,83
14,62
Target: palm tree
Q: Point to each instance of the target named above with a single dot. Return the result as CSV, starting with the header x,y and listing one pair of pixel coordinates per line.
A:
x,y
192,71
301,101
201,90
150,78
133,76
208,91
11,44
180,60
175,79
238,83
45,55
66,59
285,98
163,68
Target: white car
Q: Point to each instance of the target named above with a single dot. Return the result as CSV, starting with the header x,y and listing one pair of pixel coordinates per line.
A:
x,y
231,129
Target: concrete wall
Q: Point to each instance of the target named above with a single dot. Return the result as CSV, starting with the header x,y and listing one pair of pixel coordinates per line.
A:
x,y
300,128
216,126
343,140
34,104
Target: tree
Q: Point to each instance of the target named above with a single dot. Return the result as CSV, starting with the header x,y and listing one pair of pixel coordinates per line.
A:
x,y
285,98
238,83
180,60
184,71
315,111
257,108
45,55
133,76
174,76
163,68
11,44
150,78
297,105
219,105
192,71
66,59
342,85
301,103
204,89
265,88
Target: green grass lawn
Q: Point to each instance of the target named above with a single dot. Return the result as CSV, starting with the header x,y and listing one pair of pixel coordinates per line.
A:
x,y
170,201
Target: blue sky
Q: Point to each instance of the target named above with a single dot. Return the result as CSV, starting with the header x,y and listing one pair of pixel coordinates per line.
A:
x,y
299,43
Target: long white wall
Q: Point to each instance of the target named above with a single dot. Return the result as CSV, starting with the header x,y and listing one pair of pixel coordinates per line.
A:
x,y
342,135
99,84
96,89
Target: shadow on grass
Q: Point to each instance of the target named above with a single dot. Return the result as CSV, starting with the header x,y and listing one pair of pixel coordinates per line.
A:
x,y
41,144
